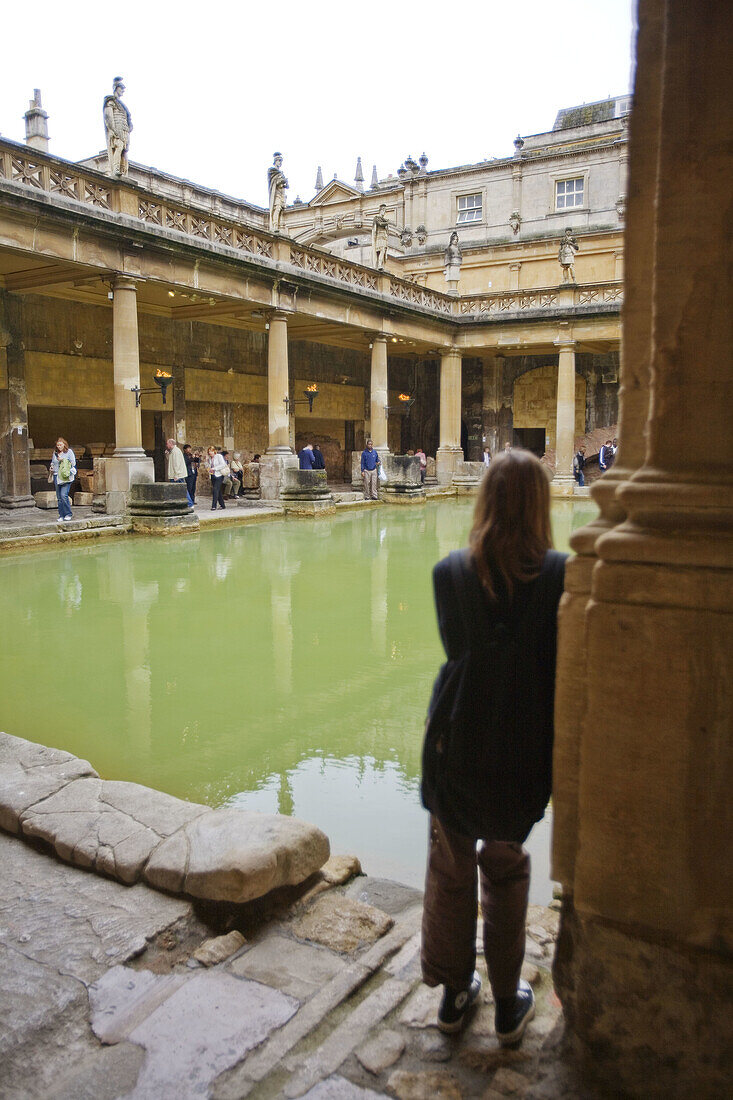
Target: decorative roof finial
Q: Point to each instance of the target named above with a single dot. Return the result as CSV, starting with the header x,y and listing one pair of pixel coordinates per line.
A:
x,y
375,178
319,179
359,177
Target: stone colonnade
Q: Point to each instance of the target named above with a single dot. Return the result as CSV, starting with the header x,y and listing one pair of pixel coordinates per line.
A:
x,y
643,765
129,464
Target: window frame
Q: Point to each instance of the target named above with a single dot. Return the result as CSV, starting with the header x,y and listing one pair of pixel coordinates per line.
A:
x,y
480,209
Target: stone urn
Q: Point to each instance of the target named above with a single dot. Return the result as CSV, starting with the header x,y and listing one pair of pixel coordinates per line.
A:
x,y
306,493
160,508
403,484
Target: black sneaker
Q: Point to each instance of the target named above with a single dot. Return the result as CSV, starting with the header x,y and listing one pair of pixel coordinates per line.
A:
x,y
513,1014
455,1004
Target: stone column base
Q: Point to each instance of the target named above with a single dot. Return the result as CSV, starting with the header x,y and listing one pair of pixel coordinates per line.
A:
x,y
123,471
24,503
446,460
637,1007
272,467
562,486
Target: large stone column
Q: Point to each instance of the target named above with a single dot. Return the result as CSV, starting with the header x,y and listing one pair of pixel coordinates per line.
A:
x,y
379,395
563,482
645,968
449,451
16,480
129,464
279,453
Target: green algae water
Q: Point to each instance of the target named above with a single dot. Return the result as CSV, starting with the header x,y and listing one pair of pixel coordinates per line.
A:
x,y
281,667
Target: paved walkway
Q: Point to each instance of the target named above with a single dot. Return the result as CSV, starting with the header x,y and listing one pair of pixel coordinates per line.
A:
x,y
101,997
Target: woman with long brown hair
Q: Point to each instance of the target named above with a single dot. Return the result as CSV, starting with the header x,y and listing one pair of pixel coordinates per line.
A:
x,y
487,759
62,472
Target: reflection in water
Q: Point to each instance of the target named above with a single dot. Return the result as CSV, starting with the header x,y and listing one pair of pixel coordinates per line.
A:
x,y
283,667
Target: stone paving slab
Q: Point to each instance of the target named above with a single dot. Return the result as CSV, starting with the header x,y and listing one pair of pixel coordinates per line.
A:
x,y
296,968
30,773
340,1088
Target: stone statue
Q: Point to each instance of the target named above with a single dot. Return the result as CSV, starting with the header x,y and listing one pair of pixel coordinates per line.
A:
x,y
452,263
277,186
117,125
380,238
566,256
515,221
453,254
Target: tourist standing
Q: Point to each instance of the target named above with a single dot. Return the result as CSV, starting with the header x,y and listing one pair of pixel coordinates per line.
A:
x,y
605,455
420,453
579,466
218,469
487,456
319,462
369,471
305,457
63,474
489,781
237,475
192,470
177,468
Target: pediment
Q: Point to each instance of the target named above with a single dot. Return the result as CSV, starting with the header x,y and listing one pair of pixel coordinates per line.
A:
x,y
335,191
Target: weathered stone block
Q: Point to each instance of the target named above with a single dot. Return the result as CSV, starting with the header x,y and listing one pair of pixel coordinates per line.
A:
x,y
46,499
233,855
110,827
296,968
467,477
30,773
83,500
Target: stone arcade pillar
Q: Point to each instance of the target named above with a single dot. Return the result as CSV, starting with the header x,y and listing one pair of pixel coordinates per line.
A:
x,y
644,965
15,485
563,482
129,465
379,395
449,450
279,453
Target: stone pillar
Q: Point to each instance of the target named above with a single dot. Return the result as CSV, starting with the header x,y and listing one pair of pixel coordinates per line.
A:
x,y
14,453
449,452
279,454
379,395
563,482
129,464
490,403
645,959
278,385
178,390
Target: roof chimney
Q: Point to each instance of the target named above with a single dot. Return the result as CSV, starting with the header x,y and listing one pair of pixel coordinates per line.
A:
x,y
36,124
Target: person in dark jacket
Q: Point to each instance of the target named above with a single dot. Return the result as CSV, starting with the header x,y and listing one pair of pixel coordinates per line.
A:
x,y
512,583
319,462
305,457
579,466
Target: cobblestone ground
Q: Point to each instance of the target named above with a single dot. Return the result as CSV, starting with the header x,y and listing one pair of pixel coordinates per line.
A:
x,y
319,996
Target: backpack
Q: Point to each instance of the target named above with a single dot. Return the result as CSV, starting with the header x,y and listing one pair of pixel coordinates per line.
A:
x,y
487,753
65,469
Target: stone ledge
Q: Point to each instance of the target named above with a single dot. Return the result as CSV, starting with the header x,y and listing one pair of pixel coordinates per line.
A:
x,y
133,833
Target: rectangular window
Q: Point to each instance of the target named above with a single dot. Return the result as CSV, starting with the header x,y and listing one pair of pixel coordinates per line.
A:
x,y
569,193
469,209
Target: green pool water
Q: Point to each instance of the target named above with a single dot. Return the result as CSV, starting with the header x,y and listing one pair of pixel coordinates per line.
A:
x,y
278,667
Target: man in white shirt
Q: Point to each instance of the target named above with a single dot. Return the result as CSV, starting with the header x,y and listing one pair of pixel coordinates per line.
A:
x,y
177,466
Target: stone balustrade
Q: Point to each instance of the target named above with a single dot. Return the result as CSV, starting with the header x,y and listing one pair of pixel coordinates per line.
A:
x,y
65,179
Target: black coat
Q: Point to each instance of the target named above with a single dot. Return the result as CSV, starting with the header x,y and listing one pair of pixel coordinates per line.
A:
x,y
491,775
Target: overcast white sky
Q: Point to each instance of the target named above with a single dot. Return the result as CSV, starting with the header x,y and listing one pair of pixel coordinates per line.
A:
x,y
215,88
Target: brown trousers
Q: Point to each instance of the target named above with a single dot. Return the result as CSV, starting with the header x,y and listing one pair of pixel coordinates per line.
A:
x,y
450,910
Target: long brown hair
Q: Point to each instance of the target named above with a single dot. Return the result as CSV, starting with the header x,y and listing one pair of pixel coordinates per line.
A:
x,y
511,523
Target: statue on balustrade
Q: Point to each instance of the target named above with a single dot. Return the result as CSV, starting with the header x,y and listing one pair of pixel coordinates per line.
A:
x,y
117,125
566,256
380,238
452,261
277,185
